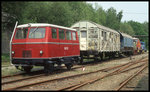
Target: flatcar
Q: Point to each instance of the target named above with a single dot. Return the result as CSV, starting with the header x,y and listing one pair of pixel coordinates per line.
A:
x,y
42,44
96,40
126,46
137,46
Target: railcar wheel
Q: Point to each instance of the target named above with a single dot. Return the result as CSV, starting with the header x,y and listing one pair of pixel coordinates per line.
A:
x,y
96,58
81,60
68,66
27,68
48,67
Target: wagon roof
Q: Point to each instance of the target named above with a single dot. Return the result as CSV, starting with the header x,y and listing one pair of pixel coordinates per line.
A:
x,y
135,38
107,28
98,25
126,35
43,25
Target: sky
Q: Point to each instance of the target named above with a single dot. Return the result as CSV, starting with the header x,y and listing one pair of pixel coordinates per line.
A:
x,y
135,10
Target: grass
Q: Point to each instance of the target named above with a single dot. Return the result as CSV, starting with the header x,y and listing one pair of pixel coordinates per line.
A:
x,y
5,59
6,70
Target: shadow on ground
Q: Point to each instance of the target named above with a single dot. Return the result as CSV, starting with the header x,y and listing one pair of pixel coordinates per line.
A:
x,y
143,84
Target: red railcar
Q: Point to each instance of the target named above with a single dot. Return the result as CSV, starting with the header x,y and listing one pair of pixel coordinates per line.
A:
x,y
44,44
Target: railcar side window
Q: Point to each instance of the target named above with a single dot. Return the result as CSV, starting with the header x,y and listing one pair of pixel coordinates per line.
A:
x,y
61,34
37,33
74,35
68,35
83,34
54,33
21,33
102,33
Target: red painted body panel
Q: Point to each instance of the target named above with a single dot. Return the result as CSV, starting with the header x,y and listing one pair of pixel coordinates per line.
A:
x,y
52,48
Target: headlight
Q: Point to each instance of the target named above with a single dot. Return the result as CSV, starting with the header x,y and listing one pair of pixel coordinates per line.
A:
x,y
13,52
41,52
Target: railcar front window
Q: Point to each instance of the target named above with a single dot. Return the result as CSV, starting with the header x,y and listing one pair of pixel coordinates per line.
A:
x,y
21,33
37,33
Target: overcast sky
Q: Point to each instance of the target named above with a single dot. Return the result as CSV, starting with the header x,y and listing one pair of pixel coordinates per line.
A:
x,y
135,10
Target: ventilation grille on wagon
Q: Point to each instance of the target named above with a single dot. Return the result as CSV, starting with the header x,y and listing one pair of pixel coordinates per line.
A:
x,y
26,53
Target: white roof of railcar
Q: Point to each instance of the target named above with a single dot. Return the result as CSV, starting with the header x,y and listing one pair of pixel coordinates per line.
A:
x,y
98,25
43,25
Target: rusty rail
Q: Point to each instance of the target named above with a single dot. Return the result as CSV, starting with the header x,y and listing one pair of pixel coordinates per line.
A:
x,y
73,87
26,85
131,77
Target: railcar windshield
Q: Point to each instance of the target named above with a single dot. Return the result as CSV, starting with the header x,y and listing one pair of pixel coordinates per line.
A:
x,y
21,33
37,33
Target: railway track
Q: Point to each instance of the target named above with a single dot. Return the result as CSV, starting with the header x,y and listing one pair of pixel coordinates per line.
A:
x,y
118,71
41,71
123,66
130,78
30,77
35,72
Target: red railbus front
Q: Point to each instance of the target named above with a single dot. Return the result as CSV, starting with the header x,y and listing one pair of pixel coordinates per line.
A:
x,y
41,44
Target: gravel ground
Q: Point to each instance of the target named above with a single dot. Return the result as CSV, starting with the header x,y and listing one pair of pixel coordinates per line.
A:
x,y
140,82
109,83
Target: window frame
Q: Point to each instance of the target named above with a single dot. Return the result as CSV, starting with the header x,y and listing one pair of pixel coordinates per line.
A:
x,y
70,33
52,33
85,32
63,32
16,31
37,38
75,35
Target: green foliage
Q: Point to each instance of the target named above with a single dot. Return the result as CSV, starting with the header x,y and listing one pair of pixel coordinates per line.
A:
x,y
140,29
113,19
126,28
66,14
100,16
5,57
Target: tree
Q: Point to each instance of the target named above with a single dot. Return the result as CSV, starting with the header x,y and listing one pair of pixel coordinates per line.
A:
x,y
113,19
100,16
14,11
140,29
126,28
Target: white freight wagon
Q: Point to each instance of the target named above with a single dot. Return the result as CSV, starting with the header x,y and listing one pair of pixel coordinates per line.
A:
x,y
96,39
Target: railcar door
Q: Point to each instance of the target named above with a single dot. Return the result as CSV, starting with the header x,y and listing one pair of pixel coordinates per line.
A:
x,y
69,44
54,46
83,40
62,43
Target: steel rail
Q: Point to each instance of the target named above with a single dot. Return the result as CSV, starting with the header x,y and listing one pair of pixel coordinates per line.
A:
x,y
30,77
73,87
21,79
83,65
131,77
53,80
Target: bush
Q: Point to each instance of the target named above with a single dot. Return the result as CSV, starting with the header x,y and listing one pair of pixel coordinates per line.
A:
x,y
5,57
